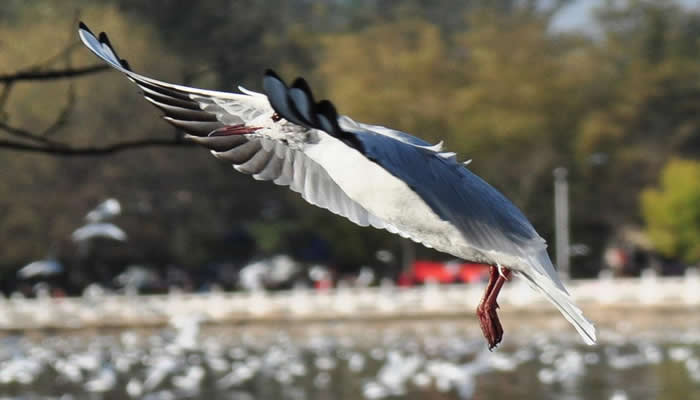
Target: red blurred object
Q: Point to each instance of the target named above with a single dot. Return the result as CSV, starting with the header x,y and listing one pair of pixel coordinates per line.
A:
x,y
323,284
470,272
425,271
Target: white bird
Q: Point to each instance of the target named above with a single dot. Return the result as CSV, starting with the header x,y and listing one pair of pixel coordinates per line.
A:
x,y
109,208
104,381
369,174
136,277
134,388
105,230
252,276
43,268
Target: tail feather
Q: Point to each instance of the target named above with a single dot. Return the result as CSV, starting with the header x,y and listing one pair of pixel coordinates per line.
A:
x,y
555,293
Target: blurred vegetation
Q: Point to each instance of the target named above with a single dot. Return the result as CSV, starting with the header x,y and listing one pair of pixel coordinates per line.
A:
x,y
492,79
672,212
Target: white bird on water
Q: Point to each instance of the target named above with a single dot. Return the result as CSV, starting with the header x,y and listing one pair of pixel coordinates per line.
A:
x,y
104,211
369,174
41,268
93,230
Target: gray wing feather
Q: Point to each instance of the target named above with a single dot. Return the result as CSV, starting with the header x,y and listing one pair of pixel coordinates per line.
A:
x,y
265,159
241,153
256,164
272,170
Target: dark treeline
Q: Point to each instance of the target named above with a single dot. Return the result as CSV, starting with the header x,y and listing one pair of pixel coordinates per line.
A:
x,y
492,79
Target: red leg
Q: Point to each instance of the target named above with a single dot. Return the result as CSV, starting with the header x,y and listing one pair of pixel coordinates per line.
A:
x,y
486,311
484,319
493,275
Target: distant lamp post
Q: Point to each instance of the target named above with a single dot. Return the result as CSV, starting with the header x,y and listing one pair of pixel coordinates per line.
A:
x,y
561,221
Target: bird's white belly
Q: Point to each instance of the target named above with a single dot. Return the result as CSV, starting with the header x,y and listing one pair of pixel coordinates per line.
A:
x,y
388,198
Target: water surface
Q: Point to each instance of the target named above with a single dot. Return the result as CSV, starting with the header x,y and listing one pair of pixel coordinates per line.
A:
x,y
438,359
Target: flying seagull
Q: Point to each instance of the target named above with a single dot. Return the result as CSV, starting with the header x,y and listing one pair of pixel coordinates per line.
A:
x,y
369,174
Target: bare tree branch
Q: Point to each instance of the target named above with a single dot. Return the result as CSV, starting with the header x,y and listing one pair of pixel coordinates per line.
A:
x,y
4,96
91,151
64,115
51,74
40,143
63,54
25,134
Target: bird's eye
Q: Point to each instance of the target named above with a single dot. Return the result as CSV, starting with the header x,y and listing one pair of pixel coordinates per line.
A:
x,y
276,117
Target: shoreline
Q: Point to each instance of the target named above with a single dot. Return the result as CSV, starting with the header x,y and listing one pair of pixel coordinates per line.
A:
x,y
661,301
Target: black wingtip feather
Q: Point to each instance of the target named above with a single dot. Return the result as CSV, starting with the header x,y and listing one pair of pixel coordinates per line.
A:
x,y
277,93
125,64
301,100
324,115
327,109
84,27
300,83
269,72
104,39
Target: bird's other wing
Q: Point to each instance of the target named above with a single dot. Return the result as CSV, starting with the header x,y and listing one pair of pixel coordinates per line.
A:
x,y
195,111
486,218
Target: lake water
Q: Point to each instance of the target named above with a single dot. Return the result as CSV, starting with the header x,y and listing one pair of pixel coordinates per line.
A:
x,y
438,359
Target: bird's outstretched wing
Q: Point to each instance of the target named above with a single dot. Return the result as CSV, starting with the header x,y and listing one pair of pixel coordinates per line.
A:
x,y
200,112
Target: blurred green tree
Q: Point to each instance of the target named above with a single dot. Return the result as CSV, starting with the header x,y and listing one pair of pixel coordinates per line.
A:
x,y
672,211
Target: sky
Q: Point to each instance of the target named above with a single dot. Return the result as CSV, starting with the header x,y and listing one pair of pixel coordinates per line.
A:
x,y
579,15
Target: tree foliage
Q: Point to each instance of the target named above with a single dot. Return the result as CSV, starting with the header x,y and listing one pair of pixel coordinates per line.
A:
x,y
490,78
672,211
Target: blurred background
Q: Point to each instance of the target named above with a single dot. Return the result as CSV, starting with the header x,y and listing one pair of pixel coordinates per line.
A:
x,y
591,108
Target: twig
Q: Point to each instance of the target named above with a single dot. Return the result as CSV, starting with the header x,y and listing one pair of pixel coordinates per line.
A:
x,y
40,143
4,96
65,151
63,54
51,74
25,134
63,115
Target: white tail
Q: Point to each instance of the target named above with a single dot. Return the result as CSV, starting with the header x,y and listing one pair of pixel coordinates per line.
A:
x,y
551,287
